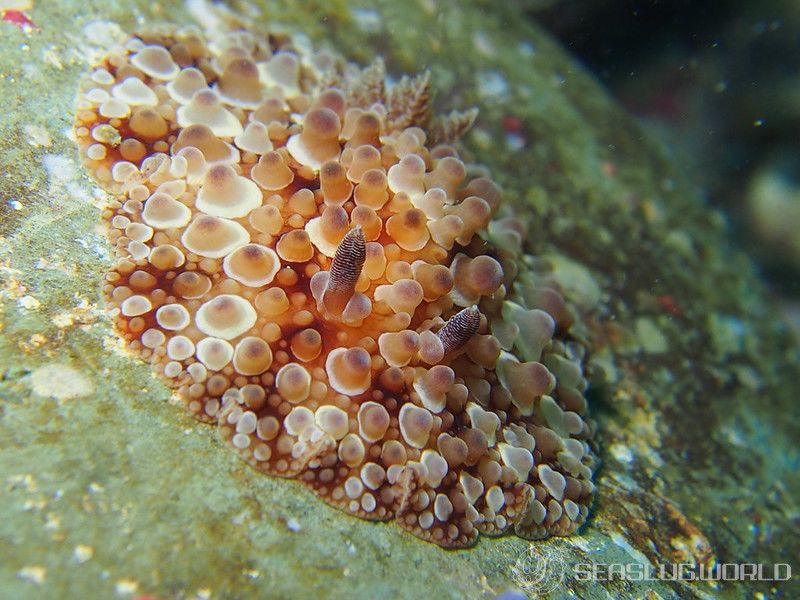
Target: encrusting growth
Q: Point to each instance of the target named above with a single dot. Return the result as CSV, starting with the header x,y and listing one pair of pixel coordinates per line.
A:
x,y
340,296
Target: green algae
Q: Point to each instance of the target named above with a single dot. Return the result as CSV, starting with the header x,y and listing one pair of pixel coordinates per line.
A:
x,y
111,491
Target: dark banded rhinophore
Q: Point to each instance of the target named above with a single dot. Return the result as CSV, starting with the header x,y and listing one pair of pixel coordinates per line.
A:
x,y
459,329
345,271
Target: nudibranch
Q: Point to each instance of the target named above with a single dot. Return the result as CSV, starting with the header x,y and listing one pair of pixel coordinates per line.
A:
x,y
303,257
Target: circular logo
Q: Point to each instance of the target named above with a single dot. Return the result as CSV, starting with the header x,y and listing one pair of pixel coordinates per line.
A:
x,y
540,569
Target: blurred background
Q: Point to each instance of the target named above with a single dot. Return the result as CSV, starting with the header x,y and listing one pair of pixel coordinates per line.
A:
x,y
719,83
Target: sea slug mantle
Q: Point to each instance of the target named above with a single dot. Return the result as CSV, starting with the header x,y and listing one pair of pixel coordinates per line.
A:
x,y
303,256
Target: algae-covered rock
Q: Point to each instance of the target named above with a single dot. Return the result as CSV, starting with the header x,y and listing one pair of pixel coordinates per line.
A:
x,y
109,490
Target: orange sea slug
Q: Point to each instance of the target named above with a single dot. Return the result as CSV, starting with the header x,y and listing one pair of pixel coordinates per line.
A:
x,y
297,260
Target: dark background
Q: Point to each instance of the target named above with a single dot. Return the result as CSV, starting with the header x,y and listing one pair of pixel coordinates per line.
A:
x,y
719,82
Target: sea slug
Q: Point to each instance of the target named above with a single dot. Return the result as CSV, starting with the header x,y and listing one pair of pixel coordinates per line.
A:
x,y
303,257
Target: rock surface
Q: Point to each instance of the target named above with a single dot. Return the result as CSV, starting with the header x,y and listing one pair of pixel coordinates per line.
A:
x,y
107,490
